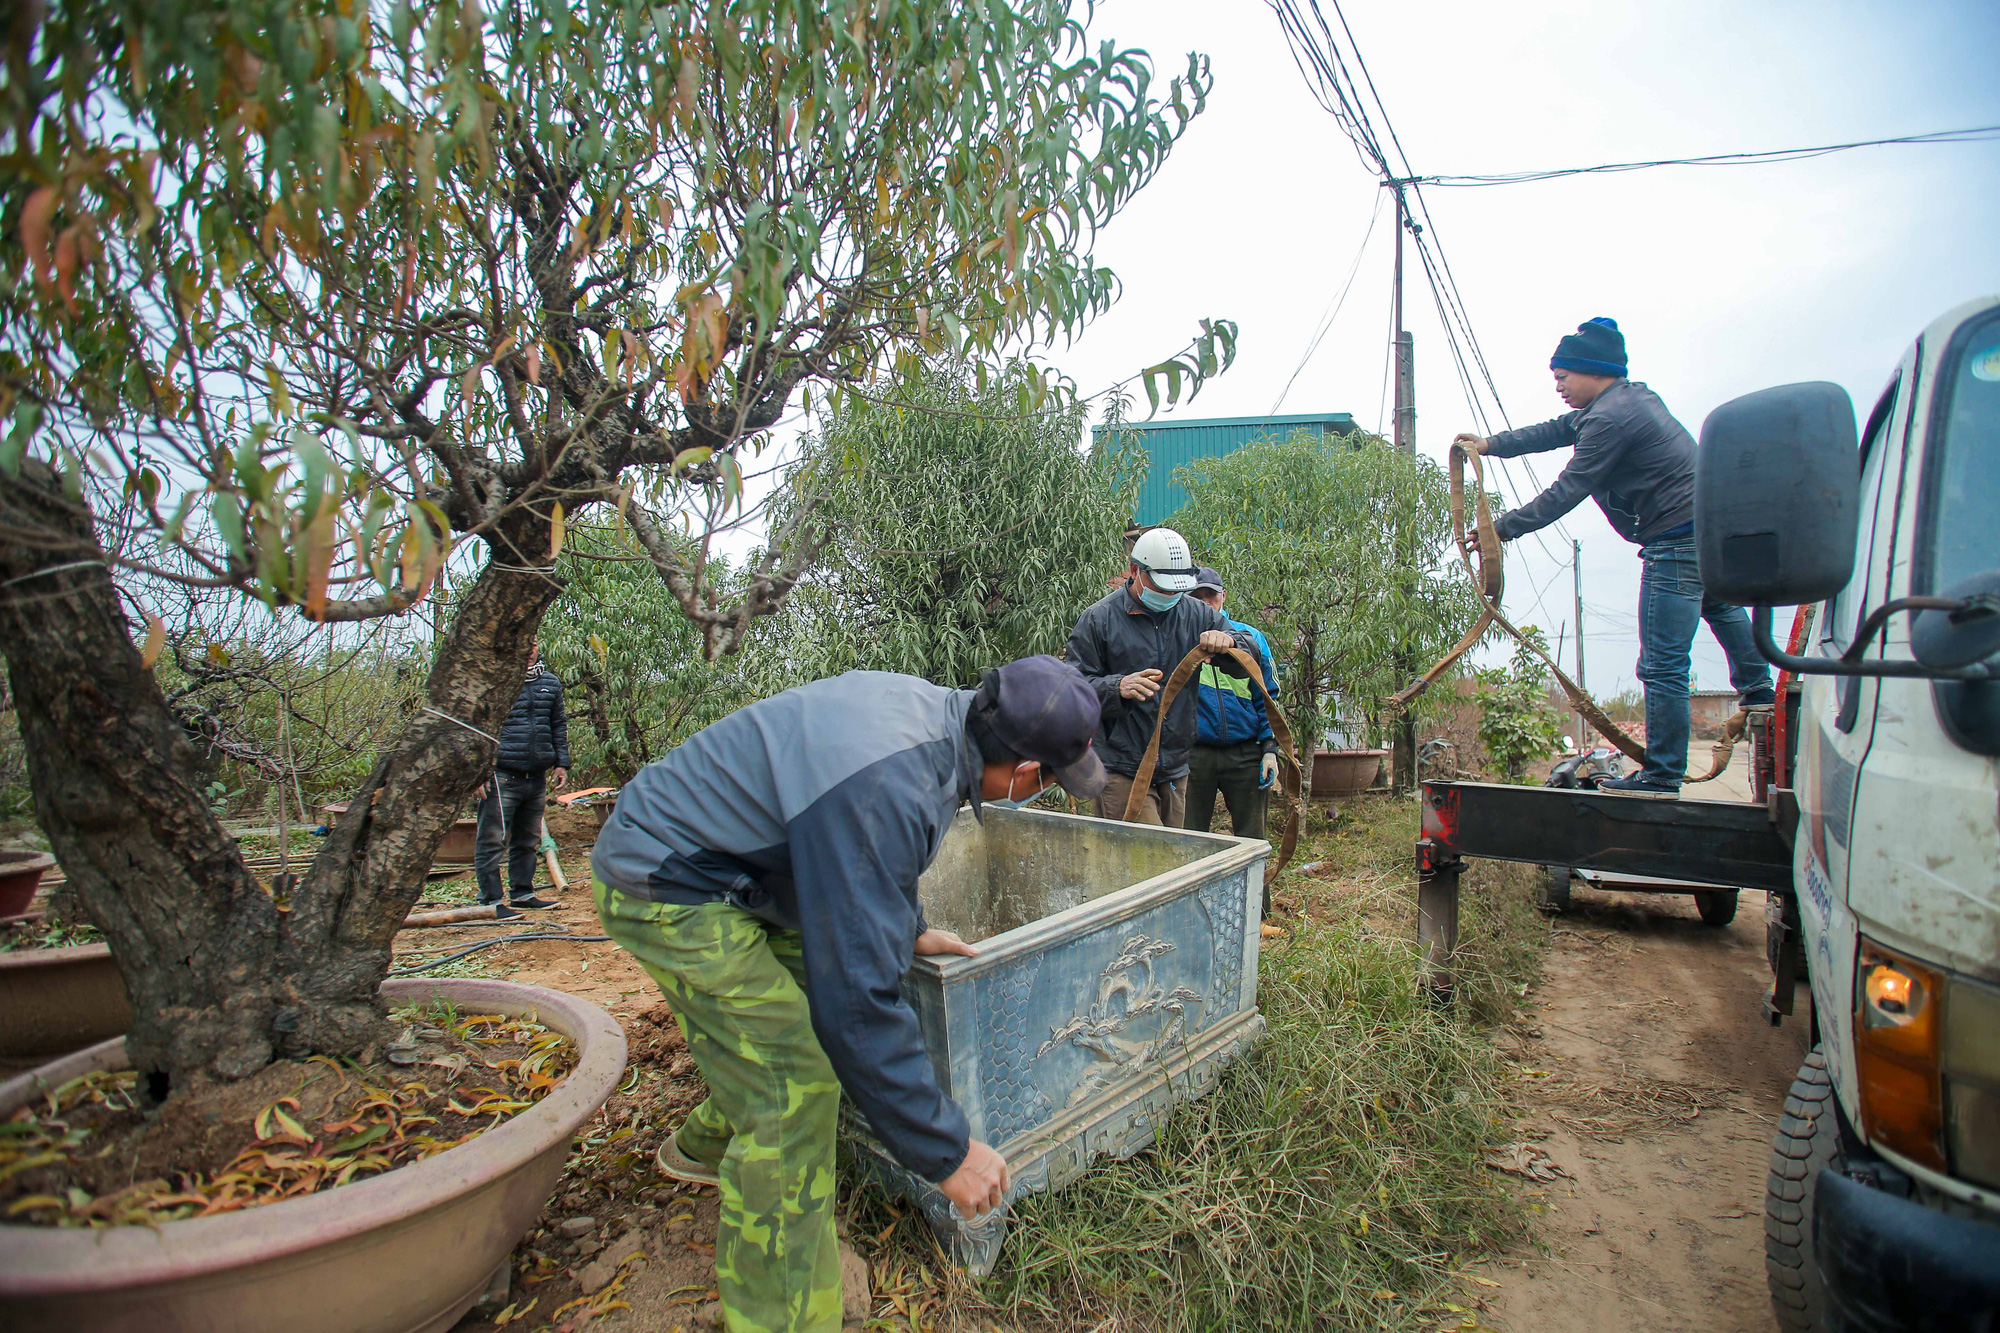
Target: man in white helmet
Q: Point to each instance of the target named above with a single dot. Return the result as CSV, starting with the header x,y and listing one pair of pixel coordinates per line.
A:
x,y
1126,645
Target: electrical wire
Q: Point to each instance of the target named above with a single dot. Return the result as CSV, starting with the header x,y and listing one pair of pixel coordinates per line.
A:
x,y
1321,60
1976,134
1333,309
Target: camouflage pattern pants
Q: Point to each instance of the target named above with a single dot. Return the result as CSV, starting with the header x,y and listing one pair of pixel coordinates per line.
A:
x,y
773,1102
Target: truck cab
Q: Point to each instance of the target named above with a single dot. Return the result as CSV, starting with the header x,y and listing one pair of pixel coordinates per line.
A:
x,y
1883,1206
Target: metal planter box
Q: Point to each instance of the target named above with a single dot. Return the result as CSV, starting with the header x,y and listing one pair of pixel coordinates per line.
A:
x,y
1117,975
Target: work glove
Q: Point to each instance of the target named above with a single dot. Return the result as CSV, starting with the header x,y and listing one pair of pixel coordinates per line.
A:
x,y
1269,774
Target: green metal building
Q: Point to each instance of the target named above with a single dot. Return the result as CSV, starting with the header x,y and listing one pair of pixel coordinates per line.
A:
x,y
1168,444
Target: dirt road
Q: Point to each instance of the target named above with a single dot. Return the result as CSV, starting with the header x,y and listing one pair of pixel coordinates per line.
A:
x,y
1648,1075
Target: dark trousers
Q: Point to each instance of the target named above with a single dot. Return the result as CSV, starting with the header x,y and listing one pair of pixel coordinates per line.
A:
x,y
510,821
1233,770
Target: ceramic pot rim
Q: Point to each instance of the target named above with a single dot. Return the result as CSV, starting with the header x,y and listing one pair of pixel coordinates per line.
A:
x,y
46,1261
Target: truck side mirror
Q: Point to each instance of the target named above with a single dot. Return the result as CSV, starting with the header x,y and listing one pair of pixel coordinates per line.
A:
x,y
1777,496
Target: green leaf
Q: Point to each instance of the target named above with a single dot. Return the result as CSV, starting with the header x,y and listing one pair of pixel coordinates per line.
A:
x,y
372,1134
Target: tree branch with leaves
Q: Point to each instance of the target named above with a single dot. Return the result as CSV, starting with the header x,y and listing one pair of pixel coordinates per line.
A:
x,y
297,295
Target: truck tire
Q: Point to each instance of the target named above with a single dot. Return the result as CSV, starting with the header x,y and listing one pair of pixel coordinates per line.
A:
x,y
1717,906
1807,1141
1552,889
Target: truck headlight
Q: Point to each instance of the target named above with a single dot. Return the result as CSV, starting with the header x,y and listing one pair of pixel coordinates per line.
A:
x,y
1972,1080
1896,1030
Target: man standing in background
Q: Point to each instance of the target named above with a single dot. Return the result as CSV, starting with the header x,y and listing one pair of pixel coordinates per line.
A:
x,y
534,746
1126,645
1234,750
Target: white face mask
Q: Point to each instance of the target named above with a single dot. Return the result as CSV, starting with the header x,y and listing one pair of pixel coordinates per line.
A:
x,y
1008,802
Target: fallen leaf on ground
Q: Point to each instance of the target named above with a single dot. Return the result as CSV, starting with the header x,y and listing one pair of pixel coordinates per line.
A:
x,y
1523,1159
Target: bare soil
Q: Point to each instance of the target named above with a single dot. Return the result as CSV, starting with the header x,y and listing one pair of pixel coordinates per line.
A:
x,y
1649,1079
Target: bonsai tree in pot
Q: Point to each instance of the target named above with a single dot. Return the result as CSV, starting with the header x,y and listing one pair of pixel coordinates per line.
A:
x,y
301,295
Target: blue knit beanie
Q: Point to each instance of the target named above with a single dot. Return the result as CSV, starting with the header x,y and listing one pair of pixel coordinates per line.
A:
x,y
1596,348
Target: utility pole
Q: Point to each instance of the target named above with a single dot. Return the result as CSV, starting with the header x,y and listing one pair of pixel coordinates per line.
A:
x,y
1576,568
1403,760
1404,346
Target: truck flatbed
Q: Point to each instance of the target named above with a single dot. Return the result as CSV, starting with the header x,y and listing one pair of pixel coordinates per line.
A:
x,y
1680,846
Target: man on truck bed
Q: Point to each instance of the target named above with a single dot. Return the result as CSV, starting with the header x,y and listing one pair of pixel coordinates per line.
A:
x,y
765,875
1126,644
1637,462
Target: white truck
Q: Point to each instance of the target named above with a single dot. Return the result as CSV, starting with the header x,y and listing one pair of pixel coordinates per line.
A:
x,y
1875,833
1883,1203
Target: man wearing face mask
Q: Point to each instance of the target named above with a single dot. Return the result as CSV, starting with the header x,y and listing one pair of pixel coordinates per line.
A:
x,y
1126,645
765,876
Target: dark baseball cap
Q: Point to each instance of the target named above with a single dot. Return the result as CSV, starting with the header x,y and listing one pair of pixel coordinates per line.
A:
x,y
1045,710
1207,580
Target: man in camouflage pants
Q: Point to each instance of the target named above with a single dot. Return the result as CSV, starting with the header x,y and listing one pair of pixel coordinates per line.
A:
x,y
765,875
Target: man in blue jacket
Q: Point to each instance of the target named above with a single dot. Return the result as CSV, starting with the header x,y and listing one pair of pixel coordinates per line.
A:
x,y
534,747
765,875
1234,750
1637,462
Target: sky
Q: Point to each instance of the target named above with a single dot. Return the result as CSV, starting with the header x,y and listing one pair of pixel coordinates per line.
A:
x,y
1724,279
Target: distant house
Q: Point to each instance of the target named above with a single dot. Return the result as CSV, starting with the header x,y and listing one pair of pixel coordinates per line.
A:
x,y
1708,710
1168,444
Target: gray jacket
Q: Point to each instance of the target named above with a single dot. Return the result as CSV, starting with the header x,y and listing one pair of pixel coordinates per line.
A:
x,y
816,810
1116,636
1631,456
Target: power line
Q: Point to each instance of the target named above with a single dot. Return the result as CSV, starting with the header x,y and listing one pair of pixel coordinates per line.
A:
x,y
1977,134
1333,309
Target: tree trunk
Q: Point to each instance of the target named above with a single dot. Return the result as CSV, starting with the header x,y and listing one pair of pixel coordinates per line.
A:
x,y
598,711
226,974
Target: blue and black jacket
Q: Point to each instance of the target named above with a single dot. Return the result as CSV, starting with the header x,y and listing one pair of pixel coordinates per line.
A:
x,y
816,810
1230,711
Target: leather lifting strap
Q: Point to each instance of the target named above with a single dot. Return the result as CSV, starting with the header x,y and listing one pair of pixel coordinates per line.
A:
x,y
1288,759
1487,578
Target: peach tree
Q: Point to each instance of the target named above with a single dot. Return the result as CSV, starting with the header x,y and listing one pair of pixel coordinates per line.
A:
x,y
324,302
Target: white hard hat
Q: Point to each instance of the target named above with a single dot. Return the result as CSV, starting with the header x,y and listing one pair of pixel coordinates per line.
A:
x,y
1163,553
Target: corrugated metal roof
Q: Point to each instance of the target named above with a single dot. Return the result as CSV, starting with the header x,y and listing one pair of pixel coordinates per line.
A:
x,y
1169,444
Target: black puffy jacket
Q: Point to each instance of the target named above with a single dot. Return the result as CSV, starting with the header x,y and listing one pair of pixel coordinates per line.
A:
x,y
535,736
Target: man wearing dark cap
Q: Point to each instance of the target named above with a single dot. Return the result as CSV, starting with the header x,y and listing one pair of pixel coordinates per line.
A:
x,y
765,875
1637,462
1235,752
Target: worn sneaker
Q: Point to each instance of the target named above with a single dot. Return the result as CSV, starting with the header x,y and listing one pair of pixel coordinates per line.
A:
x,y
1634,785
529,904
679,1166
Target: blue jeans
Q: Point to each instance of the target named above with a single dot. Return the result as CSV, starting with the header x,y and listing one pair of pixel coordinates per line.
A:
x,y
1671,604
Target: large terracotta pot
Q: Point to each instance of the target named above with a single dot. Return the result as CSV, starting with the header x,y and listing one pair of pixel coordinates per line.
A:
x,y
57,1000
20,875
456,849
1344,772
407,1251
458,843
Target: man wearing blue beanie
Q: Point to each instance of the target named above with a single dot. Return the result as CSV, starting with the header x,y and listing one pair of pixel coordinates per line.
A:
x,y
1637,462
